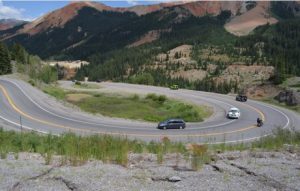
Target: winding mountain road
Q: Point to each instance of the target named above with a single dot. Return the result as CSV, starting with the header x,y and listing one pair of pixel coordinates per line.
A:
x,y
23,106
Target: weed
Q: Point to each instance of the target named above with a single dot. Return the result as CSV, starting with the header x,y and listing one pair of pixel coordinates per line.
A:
x,y
200,156
76,150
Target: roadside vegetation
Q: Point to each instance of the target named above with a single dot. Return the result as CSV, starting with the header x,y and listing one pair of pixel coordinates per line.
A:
x,y
77,150
152,108
54,91
284,105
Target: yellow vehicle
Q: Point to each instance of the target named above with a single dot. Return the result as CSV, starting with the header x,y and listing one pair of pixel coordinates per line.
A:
x,y
174,87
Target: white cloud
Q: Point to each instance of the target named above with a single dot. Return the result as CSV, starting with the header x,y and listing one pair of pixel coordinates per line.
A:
x,y
132,2
7,12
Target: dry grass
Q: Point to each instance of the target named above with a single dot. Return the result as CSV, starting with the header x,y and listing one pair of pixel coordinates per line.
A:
x,y
77,97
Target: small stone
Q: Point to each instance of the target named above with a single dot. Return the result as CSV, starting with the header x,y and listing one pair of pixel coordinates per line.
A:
x,y
174,179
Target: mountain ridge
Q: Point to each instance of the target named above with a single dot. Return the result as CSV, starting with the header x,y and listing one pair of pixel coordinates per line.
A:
x,y
59,17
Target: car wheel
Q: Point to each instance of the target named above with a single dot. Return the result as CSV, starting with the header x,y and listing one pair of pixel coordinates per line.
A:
x,y
180,127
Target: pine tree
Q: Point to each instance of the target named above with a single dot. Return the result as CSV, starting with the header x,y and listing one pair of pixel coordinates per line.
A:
x,y
5,65
18,54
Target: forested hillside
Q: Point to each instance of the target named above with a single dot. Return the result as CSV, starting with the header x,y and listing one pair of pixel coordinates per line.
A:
x,y
172,45
271,45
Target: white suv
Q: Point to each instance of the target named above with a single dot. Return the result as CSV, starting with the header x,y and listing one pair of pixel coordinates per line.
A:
x,y
234,113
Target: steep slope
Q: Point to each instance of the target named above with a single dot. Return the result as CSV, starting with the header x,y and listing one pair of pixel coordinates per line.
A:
x,y
9,23
60,17
81,29
243,24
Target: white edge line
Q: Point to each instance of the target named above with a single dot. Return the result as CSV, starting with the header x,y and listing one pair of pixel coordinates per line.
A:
x,y
23,126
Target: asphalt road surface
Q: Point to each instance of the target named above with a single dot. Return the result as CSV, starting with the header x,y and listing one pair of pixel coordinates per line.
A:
x,y
25,107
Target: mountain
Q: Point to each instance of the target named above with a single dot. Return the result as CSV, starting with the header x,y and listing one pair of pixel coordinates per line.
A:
x,y
9,23
193,44
96,26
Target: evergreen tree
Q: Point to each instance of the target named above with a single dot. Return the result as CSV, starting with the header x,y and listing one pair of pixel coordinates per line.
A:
x,y
19,54
5,65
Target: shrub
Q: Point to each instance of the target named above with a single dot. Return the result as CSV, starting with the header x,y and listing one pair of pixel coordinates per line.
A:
x,y
145,78
200,156
48,74
151,96
161,99
31,82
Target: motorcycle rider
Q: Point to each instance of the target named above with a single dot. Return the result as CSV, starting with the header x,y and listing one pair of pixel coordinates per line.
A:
x,y
259,121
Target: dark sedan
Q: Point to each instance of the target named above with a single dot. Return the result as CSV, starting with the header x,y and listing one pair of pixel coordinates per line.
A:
x,y
172,124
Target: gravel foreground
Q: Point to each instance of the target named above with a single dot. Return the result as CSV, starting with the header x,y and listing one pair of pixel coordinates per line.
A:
x,y
247,170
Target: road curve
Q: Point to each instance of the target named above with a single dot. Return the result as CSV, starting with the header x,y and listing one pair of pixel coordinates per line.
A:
x,y
23,106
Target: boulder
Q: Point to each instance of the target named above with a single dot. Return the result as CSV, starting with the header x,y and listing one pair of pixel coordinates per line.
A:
x,y
289,97
174,179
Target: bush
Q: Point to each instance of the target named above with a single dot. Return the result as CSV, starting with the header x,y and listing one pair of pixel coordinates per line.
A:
x,y
31,82
48,74
151,96
145,78
78,83
161,99
157,98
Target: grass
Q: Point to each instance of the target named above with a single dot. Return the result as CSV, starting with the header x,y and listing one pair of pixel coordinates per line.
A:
x,y
76,97
78,149
152,108
274,102
55,91
276,141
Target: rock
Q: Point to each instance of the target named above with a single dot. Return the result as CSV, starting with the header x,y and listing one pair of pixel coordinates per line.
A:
x,y
289,97
289,148
174,179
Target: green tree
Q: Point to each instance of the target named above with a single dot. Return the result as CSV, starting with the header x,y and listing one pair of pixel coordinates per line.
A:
x,y
19,54
5,65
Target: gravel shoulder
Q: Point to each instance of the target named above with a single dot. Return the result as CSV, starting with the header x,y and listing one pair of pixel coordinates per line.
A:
x,y
247,170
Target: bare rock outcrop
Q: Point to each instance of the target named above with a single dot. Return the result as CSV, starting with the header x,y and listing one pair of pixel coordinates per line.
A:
x,y
289,97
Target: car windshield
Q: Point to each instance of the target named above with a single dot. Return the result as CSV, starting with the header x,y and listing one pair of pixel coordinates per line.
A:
x,y
233,111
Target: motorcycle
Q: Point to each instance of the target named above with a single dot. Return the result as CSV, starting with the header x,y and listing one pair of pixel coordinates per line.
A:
x,y
260,123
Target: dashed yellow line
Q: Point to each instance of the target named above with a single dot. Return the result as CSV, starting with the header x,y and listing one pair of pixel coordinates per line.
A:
x,y
13,105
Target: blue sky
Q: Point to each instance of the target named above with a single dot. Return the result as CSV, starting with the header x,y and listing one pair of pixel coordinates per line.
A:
x,y
29,10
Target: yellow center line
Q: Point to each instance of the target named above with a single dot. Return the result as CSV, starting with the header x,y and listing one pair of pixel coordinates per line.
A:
x,y
258,111
13,105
